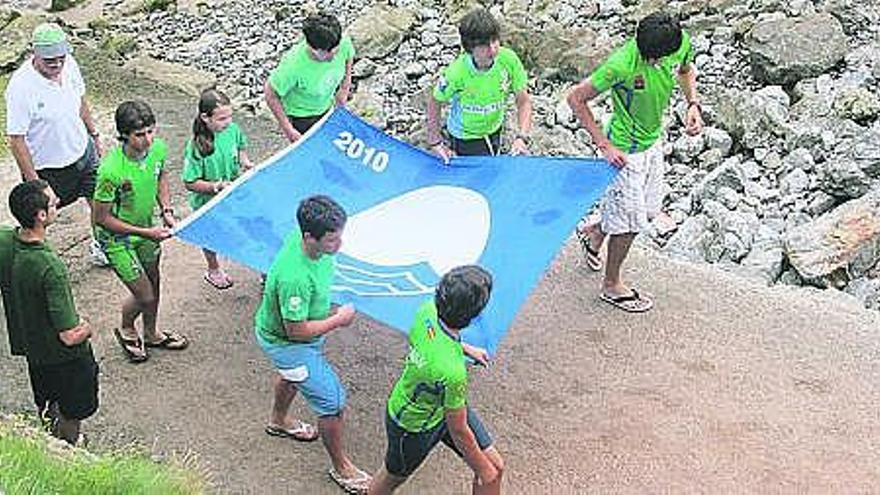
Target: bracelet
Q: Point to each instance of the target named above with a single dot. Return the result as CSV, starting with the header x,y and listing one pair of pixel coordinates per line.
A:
x,y
95,133
523,137
435,143
167,210
695,103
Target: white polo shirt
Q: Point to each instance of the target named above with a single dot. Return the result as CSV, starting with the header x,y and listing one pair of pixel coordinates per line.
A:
x,y
46,113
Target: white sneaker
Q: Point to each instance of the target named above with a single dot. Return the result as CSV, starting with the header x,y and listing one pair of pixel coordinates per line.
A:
x,y
97,255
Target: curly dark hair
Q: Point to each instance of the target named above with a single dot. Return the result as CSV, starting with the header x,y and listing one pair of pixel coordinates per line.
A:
x,y
462,294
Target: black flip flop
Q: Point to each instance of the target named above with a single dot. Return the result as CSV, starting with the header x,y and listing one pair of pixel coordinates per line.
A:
x,y
126,344
625,302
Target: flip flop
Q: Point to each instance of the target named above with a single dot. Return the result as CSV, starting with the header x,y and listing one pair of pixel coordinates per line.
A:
x,y
591,256
303,432
219,279
131,346
171,341
358,484
631,303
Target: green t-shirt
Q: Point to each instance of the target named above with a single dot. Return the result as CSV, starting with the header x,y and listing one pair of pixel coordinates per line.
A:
x,y
478,98
306,86
222,164
434,378
640,93
38,301
297,289
131,186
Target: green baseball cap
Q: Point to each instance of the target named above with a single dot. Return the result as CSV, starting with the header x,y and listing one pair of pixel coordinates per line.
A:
x,y
50,41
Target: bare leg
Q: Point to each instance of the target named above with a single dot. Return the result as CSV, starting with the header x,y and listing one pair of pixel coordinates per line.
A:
x,y
493,488
150,311
384,483
618,248
331,428
596,236
141,298
285,391
211,258
67,429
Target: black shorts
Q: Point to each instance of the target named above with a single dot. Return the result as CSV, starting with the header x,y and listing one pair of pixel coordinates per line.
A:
x,y
484,146
76,180
72,384
406,451
302,124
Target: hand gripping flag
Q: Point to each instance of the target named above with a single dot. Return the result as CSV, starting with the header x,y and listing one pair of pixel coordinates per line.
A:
x,y
411,218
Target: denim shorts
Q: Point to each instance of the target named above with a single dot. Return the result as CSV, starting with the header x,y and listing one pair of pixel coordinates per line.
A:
x,y
407,450
304,365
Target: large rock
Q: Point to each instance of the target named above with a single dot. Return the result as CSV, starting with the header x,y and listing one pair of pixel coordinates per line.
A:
x,y
754,119
186,79
765,260
380,30
847,239
787,50
853,167
15,41
557,51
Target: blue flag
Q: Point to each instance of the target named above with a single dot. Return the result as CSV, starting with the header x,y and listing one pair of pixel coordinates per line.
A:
x,y
411,218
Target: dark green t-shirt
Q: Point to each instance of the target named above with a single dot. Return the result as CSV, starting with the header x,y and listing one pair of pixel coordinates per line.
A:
x,y
42,304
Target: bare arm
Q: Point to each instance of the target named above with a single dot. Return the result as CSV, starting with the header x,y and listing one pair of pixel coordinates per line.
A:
x,y
164,197
466,442
23,157
309,329
578,100
344,90
85,113
524,119
206,186
435,142
687,78
245,160
274,104
76,335
104,217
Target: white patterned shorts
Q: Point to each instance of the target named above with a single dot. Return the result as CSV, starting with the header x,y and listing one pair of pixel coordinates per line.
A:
x,y
636,195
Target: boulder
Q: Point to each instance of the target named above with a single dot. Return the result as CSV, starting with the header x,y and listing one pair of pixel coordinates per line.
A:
x,y
186,79
857,104
846,239
557,51
765,260
787,50
754,119
379,31
15,41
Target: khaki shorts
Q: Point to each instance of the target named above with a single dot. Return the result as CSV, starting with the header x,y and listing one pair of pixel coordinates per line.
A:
x,y
636,195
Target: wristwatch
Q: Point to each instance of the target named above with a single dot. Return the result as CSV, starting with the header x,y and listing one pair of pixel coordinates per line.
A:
x,y
522,136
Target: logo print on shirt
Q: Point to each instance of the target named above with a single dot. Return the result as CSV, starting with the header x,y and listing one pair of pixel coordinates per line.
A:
x,y
431,332
442,84
294,304
639,82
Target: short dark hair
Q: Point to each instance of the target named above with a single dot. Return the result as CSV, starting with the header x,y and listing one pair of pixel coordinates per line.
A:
x,y
318,215
462,294
477,28
133,116
27,199
322,31
658,35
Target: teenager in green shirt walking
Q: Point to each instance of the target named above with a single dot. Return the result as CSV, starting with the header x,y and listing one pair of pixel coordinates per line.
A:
x,y
641,76
477,86
428,404
214,157
131,183
312,77
41,317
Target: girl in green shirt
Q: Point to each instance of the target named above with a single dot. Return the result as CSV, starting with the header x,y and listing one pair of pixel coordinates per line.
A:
x,y
213,159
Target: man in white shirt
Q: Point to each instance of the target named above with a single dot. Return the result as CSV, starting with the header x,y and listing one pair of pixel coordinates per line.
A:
x,y
49,125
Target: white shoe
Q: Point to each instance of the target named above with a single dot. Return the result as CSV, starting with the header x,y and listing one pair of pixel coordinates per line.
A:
x,y
97,255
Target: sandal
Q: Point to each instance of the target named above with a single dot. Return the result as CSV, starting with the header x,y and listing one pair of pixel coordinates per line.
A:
x,y
302,432
357,484
171,341
631,303
218,279
591,256
133,348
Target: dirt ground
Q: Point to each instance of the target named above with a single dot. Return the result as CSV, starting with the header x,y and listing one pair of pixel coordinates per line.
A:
x,y
723,387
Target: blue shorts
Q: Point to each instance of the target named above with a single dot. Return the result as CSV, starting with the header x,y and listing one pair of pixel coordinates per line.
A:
x,y
407,450
304,364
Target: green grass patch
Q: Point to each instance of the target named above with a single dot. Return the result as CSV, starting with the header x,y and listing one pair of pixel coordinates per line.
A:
x,y
32,463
